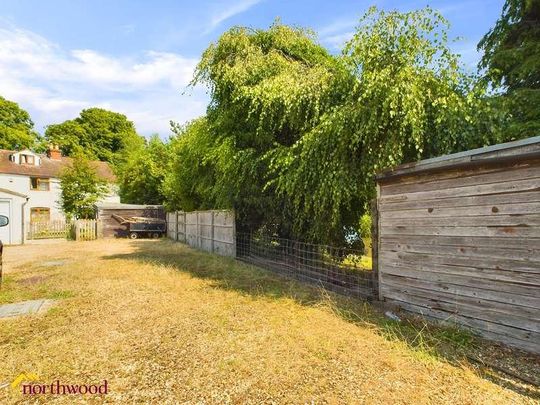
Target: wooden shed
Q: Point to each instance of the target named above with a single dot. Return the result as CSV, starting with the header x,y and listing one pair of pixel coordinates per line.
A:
x,y
112,227
459,240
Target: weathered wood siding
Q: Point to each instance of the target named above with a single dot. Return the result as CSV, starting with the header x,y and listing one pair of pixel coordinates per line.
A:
x,y
463,245
113,229
212,231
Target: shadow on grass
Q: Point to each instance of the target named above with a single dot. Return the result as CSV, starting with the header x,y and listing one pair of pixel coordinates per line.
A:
x,y
426,340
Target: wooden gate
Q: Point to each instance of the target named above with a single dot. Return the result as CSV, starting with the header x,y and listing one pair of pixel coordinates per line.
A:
x,y
86,229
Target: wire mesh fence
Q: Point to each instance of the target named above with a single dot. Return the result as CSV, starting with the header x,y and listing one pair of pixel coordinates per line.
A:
x,y
342,270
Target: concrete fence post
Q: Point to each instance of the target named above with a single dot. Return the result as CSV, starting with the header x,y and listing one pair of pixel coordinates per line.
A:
x,y
198,231
176,225
180,219
184,225
212,230
233,214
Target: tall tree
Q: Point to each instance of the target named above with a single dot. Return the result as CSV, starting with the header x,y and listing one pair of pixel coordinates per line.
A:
x,y
409,100
97,133
511,62
81,188
267,88
190,179
141,175
16,127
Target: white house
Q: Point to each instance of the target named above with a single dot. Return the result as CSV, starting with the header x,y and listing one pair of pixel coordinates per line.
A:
x,y
30,189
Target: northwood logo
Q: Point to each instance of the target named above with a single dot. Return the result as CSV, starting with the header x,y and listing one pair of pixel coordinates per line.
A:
x,y
29,385
20,378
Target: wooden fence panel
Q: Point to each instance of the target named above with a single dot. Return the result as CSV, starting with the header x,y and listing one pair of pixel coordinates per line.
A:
x,y
206,228
81,229
224,236
55,229
211,231
192,229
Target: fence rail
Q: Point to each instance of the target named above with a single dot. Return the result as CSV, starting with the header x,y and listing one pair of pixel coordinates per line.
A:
x,y
336,269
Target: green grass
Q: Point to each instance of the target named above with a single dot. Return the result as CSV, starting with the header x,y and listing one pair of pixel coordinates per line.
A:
x,y
362,262
35,284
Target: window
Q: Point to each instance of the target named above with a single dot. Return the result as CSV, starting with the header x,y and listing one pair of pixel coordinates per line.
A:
x,y
39,184
27,159
40,214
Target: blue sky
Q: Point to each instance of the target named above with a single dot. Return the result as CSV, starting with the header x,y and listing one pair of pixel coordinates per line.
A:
x,y
136,57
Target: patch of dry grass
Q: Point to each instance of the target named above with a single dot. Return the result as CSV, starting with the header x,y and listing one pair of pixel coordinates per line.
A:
x,y
163,324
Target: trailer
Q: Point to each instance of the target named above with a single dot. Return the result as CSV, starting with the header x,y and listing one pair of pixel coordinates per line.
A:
x,y
138,227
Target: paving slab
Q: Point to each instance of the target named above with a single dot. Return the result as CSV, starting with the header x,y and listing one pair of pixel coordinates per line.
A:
x,y
23,308
53,263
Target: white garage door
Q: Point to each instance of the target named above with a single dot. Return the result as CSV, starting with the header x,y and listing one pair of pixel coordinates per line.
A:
x,y
5,230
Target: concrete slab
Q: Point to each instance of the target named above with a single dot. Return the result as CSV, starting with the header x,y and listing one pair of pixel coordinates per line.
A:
x,y
23,308
53,263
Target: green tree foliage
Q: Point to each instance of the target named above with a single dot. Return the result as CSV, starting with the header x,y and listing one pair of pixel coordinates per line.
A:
x,y
409,100
267,88
511,62
189,181
142,174
16,127
365,226
70,137
81,189
97,133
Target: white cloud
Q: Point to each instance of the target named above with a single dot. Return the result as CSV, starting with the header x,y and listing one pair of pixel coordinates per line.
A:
x,y
345,24
55,84
338,40
153,111
230,11
335,34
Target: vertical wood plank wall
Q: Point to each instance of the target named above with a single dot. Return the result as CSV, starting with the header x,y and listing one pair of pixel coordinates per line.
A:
x,y
463,245
211,231
114,229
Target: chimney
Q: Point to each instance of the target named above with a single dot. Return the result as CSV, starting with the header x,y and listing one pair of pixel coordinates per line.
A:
x,y
54,152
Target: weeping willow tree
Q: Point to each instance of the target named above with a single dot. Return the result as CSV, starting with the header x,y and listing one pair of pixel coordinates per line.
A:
x,y
409,100
268,88
293,135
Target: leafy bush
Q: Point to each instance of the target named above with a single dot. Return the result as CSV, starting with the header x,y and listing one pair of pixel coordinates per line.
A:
x,y
365,226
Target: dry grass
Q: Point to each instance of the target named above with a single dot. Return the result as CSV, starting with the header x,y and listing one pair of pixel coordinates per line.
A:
x,y
165,324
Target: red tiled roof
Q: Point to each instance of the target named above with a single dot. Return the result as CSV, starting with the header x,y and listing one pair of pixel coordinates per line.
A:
x,y
49,167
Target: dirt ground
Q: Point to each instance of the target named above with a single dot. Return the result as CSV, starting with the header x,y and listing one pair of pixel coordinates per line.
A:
x,y
162,323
